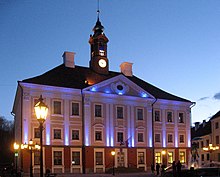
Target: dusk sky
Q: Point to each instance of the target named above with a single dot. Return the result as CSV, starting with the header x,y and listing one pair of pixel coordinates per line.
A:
x,y
173,44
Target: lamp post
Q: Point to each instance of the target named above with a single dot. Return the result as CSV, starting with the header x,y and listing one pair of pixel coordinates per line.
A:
x,y
113,162
41,111
16,148
31,147
210,149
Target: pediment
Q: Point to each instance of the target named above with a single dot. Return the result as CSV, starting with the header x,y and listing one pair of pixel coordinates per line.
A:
x,y
119,85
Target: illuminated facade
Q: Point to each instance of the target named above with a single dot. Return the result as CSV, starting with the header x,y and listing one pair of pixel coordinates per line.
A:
x,y
206,139
93,111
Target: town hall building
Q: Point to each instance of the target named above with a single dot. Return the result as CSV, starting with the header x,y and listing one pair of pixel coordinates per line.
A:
x,y
93,111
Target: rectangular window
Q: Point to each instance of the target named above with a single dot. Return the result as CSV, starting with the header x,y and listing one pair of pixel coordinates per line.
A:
x,y
157,116
217,140
157,138
181,117
216,125
120,112
57,157
158,157
99,158
170,138
140,114
98,110
36,133
207,157
57,133
203,157
140,137
57,107
75,158
75,109
36,157
98,136
207,142
120,137
170,157
202,144
169,116
181,138
75,134
182,157
140,157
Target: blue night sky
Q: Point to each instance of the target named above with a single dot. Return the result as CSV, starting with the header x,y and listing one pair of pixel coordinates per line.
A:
x,y
174,45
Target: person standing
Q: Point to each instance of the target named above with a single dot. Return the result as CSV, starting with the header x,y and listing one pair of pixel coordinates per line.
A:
x,y
178,167
174,168
158,168
152,168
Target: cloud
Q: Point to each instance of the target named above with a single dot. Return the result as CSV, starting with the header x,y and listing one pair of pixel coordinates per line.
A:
x,y
217,96
203,98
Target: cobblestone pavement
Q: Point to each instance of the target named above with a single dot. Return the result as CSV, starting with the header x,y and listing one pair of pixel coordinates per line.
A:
x,y
110,175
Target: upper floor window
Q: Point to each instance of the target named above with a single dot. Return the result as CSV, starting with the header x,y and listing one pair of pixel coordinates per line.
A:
x,y
157,138
181,138
75,134
181,117
98,110
56,107
98,136
120,137
216,125
202,144
140,137
120,112
75,109
36,133
57,133
57,155
217,140
207,142
169,116
99,158
140,114
157,116
170,138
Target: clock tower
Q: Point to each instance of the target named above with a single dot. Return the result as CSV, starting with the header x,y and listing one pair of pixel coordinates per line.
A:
x,y
98,42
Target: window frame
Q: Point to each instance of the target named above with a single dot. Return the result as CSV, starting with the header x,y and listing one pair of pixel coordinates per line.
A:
x,y
98,114
137,114
72,131
119,115
60,113
157,116
72,110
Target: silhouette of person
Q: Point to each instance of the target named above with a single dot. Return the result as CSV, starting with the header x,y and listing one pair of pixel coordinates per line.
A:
x,y
158,168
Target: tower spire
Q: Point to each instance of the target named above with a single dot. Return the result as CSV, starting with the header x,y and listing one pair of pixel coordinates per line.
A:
x,y
98,11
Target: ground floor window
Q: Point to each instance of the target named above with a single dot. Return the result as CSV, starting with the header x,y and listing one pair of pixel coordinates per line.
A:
x,y
75,158
57,157
170,157
99,158
140,157
182,157
37,158
158,157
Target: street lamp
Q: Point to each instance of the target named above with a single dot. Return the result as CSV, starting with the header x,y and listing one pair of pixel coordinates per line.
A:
x,y
210,149
113,162
16,148
41,111
31,146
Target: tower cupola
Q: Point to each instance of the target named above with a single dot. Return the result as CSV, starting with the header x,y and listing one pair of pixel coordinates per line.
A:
x,y
98,42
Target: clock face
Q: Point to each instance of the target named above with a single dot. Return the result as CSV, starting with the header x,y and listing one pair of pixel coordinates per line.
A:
x,y
102,63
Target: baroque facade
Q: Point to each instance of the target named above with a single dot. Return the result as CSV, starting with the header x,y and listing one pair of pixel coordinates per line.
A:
x,y
93,111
